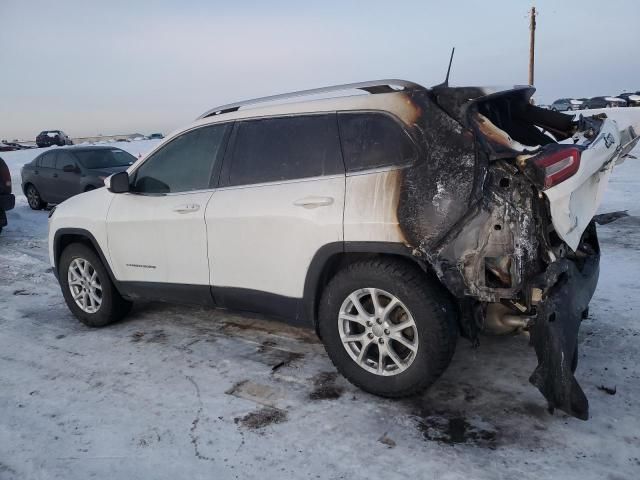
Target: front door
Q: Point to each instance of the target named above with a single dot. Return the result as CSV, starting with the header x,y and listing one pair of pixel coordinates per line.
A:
x,y
157,231
65,184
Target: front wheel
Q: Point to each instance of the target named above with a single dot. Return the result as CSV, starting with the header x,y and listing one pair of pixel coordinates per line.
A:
x,y
88,289
387,327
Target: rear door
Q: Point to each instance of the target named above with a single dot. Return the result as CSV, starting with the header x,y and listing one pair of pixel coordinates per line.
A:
x,y
280,200
157,232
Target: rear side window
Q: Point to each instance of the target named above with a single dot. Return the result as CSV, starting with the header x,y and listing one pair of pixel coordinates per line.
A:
x,y
48,160
373,140
285,148
186,163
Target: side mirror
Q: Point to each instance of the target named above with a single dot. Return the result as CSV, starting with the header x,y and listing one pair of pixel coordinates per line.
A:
x,y
70,169
118,182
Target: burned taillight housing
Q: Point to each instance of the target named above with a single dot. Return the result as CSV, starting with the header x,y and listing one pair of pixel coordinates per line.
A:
x,y
556,166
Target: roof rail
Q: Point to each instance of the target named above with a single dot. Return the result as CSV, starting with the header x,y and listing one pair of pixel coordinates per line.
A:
x,y
373,86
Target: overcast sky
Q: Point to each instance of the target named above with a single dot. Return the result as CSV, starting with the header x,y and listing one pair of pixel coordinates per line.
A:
x,y
90,67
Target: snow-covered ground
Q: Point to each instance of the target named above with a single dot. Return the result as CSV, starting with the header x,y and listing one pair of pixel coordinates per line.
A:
x,y
183,392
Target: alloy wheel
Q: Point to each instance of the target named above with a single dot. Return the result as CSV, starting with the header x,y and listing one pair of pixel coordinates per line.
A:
x,y
33,197
85,285
378,331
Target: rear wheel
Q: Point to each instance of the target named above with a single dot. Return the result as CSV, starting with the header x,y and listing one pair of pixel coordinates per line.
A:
x,y
387,328
33,198
87,287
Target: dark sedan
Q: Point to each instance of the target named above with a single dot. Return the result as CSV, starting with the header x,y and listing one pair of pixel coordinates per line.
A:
x,y
604,102
48,138
56,175
7,200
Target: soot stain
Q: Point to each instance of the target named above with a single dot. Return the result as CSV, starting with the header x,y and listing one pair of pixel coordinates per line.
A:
x,y
452,429
262,418
325,387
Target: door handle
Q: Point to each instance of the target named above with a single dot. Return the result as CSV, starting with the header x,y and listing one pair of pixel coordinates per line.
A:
x,y
313,202
188,208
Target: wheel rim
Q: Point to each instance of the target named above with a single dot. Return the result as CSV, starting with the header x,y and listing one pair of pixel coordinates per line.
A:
x,y
32,197
84,285
378,331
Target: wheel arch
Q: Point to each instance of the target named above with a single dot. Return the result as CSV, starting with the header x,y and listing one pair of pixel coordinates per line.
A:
x,y
333,257
66,236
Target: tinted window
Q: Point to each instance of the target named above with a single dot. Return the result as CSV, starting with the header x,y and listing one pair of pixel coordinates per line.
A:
x,y
373,140
104,158
63,159
184,164
48,160
285,148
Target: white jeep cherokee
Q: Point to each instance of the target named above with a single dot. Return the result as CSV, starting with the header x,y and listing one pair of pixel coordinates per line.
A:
x,y
389,221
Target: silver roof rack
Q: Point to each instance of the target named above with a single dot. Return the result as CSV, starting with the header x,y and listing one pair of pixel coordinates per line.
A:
x,y
373,86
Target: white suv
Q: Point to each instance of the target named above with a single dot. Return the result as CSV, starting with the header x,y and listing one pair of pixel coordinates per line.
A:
x,y
389,221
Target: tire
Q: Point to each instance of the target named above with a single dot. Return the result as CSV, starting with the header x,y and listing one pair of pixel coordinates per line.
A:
x,y
89,188
112,307
33,197
420,299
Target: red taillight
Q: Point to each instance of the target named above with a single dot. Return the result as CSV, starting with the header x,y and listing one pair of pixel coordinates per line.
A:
x,y
557,166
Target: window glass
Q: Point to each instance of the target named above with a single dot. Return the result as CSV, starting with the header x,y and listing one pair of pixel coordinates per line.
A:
x,y
373,140
63,159
48,160
184,164
285,148
104,158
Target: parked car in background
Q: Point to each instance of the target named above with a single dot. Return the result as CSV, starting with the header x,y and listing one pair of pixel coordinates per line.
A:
x,y
11,146
7,199
156,136
8,147
632,98
603,102
47,138
56,175
563,104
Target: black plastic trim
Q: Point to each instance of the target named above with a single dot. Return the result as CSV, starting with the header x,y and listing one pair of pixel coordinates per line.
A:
x,y
307,313
256,301
57,251
167,292
7,201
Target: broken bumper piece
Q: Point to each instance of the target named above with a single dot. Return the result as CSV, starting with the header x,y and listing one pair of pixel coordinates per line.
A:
x,y
569,287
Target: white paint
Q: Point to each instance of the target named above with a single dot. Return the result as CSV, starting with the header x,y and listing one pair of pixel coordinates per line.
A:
x,y
159,238
574,202
263,237
371,207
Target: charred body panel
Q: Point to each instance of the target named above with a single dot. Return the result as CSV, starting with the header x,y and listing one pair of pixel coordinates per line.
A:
x,y
472,208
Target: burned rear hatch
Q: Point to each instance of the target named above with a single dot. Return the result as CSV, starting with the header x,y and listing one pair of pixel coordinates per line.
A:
x,y
507,248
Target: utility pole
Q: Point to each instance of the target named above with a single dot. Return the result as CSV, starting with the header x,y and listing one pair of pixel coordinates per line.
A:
x,y
532,43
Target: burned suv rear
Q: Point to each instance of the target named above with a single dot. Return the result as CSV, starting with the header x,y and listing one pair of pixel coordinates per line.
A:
x,y
500,208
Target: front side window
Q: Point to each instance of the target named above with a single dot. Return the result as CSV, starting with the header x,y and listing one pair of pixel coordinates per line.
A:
x,y
285,148
185,164
373,140
48,160
63,159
